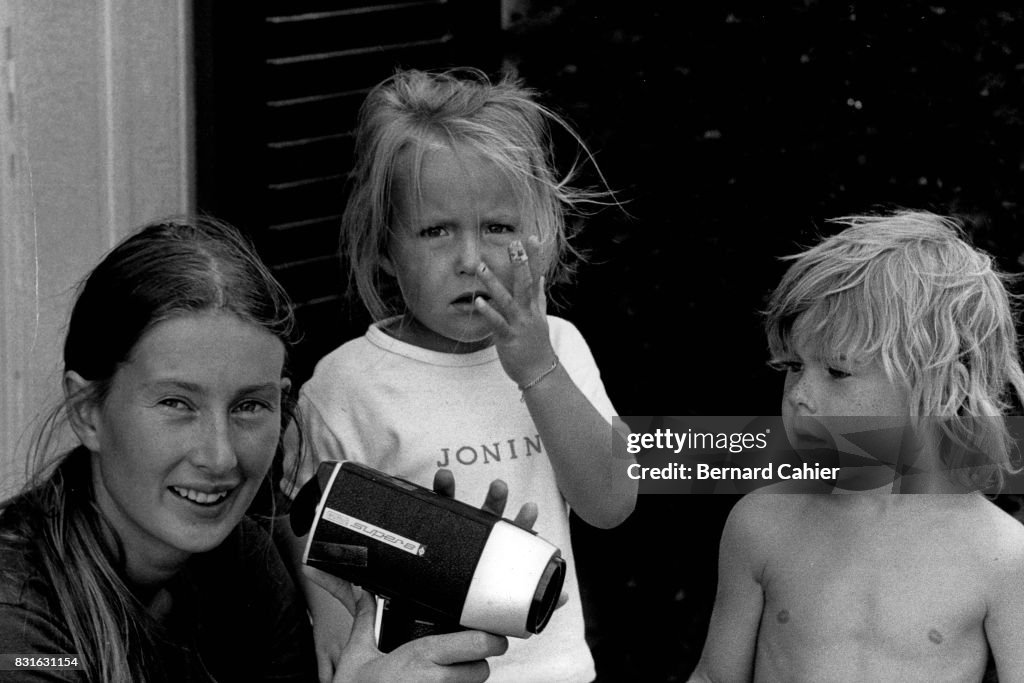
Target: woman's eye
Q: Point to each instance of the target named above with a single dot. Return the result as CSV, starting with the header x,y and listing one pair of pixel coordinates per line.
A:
x,y
251,407
500,228
433,231
174,403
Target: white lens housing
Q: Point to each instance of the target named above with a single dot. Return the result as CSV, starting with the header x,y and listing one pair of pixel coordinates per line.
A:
x,y
511,576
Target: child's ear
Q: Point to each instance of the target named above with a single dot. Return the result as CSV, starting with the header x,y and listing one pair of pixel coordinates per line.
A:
x,y
82,409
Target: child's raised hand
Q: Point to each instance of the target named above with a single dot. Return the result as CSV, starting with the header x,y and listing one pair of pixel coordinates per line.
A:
x,y
497,497
518,318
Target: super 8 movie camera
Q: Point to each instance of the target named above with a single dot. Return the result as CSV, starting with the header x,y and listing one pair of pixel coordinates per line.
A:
x,y
441,564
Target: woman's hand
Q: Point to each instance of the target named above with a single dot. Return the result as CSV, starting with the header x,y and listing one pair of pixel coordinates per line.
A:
x,y
457,657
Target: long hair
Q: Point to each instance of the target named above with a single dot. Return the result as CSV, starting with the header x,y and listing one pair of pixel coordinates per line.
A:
x,y
165,270
908,289
461,109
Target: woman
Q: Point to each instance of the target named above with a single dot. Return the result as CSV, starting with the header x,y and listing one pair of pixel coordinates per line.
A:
x,y
134,551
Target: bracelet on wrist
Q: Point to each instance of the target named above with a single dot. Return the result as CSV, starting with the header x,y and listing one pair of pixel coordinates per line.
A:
x,y
536,380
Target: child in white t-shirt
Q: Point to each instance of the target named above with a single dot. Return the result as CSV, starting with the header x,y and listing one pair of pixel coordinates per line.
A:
x,y
455,225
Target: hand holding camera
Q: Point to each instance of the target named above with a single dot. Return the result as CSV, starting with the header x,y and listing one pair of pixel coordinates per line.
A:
x,y
476,570
457,656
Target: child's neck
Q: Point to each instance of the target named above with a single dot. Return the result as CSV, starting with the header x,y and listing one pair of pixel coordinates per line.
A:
x,y
928,474
411,331
931,482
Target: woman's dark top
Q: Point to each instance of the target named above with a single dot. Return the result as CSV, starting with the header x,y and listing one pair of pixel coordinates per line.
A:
x,y
235,615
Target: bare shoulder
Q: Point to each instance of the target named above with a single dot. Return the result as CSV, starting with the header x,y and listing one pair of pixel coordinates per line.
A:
x,y
763,520
775,505
760,528
1000,536
998,546
992,539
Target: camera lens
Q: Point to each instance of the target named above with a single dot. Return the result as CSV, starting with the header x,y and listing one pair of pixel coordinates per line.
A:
x,y
545,598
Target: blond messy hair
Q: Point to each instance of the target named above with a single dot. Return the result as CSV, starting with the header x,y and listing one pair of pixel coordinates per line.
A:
x,y
908,289
460,109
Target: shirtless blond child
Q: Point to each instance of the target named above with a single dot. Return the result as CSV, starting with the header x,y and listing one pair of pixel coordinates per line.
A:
x,y
894,318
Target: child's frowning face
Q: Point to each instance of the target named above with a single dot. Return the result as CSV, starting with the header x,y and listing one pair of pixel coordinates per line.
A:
x,y
847,406
465,214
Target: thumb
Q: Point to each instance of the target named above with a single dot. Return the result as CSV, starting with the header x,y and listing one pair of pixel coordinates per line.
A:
x,y
339,588
360,655
364,620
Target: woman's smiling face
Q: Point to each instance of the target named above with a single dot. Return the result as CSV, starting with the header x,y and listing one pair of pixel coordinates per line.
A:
x,y
185,435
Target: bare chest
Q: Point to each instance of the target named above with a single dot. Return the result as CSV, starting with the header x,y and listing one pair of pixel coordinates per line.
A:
x,y
906,594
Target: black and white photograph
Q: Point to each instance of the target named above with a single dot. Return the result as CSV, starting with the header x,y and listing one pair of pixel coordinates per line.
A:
x,y
528,341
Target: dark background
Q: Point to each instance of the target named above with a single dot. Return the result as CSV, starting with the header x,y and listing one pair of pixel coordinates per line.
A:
x,y
735,130
731,131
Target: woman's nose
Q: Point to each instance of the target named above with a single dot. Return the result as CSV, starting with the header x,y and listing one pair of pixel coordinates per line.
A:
x,y
215,453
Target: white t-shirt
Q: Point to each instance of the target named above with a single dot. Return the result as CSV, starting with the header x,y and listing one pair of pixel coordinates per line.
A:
x,y
409,411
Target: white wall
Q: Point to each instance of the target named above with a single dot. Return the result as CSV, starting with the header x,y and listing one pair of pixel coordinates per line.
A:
x,y
95,139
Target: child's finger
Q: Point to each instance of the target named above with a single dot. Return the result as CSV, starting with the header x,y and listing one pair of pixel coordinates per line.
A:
x,y
522,278
501,300
533,252
497,497
444,483
527,516
495,319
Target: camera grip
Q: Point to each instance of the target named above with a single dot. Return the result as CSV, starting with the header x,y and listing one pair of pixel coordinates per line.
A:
x,y
401,622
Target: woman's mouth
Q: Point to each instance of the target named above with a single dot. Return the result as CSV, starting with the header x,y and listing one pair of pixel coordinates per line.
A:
x,y
200,497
